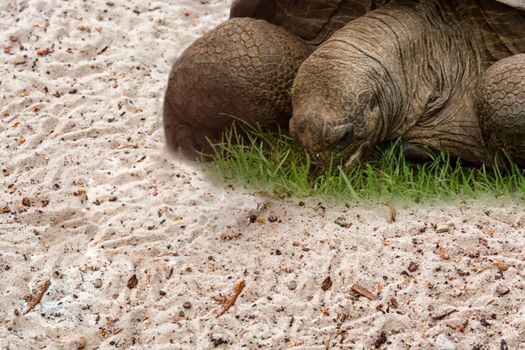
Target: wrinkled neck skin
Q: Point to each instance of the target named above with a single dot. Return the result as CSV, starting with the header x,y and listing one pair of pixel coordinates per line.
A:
x,y
419,61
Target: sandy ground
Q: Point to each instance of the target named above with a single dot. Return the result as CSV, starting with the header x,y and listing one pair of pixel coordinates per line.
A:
x,y
141,250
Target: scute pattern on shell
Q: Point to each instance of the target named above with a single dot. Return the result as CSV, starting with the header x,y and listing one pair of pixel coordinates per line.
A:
x,y
243,68
312,20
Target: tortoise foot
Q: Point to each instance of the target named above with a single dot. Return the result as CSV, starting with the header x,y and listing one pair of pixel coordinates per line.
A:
x,y
502,109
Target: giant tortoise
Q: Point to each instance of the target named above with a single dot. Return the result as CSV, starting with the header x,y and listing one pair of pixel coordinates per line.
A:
x,y
345,75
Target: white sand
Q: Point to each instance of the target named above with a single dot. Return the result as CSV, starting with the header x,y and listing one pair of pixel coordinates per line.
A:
x,y
88,115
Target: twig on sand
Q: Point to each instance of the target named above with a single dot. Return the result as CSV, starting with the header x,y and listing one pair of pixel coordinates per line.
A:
x,y
38,296
363,291
228,303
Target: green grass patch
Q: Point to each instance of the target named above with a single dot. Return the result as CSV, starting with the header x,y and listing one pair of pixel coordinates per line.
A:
x,y
272,163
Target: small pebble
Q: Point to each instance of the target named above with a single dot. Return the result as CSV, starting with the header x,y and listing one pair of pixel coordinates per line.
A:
x,y
327,284
502,290
473,254
380,340
132,282
413,266
392,302
292,285
444,343
272,218
20,60
187,305
502,266
97,283
81,343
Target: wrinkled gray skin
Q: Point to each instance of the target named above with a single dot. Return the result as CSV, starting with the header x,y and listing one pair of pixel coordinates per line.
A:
x,y
416,70
407,71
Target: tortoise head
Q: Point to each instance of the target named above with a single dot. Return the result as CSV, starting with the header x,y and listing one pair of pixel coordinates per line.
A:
x,y
335,108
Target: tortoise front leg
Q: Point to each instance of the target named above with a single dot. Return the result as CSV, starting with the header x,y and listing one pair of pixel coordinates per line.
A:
x,y
242,69
502,108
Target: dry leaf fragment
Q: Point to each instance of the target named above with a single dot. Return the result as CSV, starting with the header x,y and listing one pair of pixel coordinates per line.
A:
x,y
21,140
80,191
364,292
43,52
442,230
228,303
296,344
38,296
5,210
442,253
443,313
110,323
